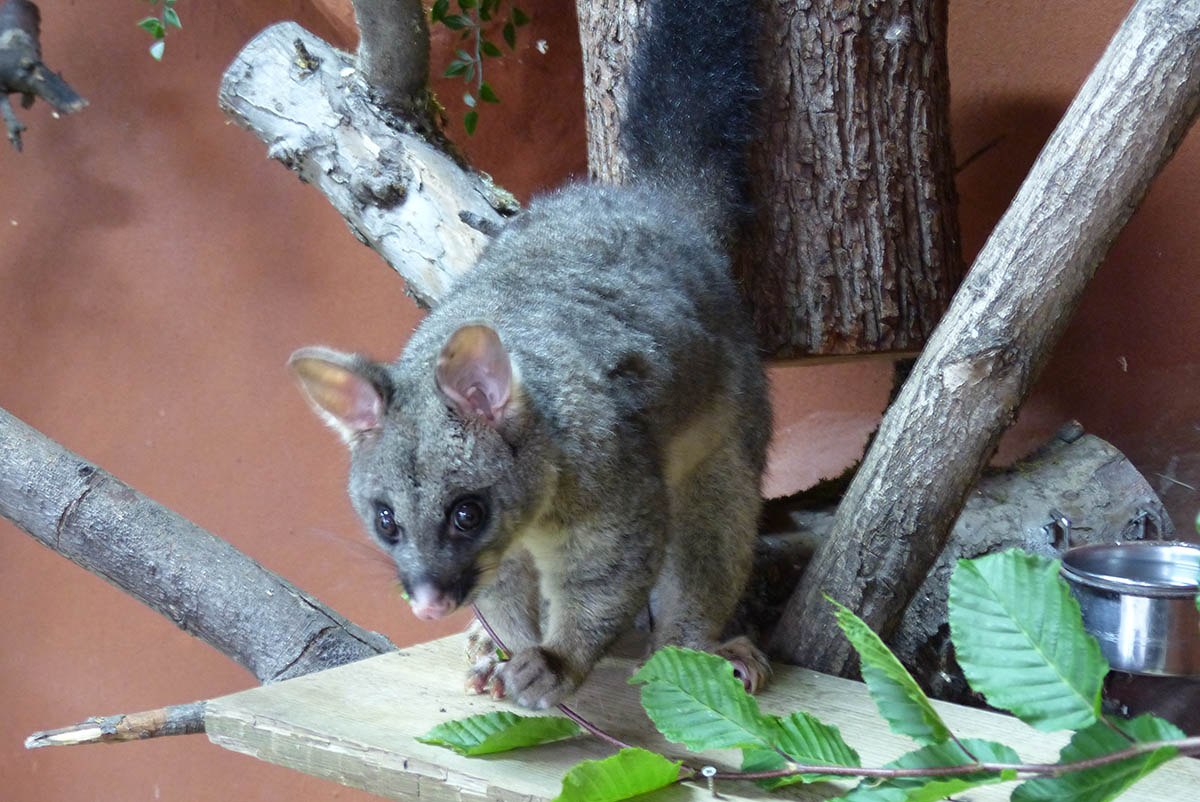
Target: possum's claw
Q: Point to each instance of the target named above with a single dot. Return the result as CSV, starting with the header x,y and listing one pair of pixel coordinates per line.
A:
x,y
484,658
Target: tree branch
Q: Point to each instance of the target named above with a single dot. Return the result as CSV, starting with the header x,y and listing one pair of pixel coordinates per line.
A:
x,y
418,208
1012,308
393,53
204,585
174,720
22,70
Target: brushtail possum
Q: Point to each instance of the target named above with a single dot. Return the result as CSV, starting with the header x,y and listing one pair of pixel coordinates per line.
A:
x,y
578,430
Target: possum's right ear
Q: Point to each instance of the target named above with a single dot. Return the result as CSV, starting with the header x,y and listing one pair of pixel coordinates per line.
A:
x,y
336,387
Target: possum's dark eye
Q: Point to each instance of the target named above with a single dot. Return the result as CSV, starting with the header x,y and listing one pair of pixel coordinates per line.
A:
x,y
468,514
385,523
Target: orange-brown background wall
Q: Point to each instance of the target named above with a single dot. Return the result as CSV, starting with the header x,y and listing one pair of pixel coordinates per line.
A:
x,y
156,270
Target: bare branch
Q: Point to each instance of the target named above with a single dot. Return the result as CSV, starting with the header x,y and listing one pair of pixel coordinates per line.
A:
x,y
400,195
204,585
1012,308
174,720
393,52
22,70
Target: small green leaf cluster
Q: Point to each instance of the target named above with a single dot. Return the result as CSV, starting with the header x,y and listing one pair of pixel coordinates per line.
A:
x,y
157,26
1019,639
473,23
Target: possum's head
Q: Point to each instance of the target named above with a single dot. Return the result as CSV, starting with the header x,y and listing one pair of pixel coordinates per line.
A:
x,y
435,471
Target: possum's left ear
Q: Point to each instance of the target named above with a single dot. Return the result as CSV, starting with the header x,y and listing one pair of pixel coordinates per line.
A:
x,y
475,375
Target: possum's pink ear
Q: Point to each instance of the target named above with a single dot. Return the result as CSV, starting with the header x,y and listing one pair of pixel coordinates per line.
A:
x,y
337,390
475,375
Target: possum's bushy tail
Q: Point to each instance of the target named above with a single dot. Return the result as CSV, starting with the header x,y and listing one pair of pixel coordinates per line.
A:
x,y
691,93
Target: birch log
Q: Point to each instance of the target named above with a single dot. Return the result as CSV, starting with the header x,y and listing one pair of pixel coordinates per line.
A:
x,y
998,333
422,211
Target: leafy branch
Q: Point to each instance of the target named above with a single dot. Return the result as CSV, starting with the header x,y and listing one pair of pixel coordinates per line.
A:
x,y
157,26
475,20
1019,638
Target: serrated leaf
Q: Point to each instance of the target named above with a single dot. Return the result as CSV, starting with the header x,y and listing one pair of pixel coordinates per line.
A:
x,y
153,26
806,740
1103,782
694,699
1020,641
490,49
487,94
157,49
171,17
488,733
899,698
928,789
470,120
456,22
519,17
626,774
509,32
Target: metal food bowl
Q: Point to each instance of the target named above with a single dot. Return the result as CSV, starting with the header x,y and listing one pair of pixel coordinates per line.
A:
x,y
1138,600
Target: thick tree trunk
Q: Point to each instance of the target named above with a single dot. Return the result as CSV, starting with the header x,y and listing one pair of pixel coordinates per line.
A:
x,y
854,244
1014,304
205,586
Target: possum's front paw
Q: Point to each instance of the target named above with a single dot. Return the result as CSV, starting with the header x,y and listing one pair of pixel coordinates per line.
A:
x,y
536,679
749,663
484,657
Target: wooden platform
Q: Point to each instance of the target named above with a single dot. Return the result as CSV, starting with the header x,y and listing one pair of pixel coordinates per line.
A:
x,y
356,725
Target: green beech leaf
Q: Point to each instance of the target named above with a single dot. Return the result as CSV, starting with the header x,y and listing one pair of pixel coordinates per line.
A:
x,y
488,733
1020,641
469,100
1103,782
804,739
928,789
899,698
456,22
487,94
470,120
157,49
489,49
438,12
509,32
626,774
466,5
171,17
519,17
694,699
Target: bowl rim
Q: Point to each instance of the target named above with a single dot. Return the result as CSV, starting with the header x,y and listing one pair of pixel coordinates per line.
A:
x,y
1126,585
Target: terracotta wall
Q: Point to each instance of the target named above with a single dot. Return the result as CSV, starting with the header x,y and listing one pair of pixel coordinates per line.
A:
x,y
156,270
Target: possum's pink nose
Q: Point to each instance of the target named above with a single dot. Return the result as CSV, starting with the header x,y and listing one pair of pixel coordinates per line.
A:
x,y
429,603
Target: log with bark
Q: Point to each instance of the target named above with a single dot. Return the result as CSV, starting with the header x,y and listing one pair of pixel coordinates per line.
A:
x,y
1074,490
1012,308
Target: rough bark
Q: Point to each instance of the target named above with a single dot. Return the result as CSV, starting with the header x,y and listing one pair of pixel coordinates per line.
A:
x,y
205,586
22,71
854,244
393,53
1075,489
1013,306
425,214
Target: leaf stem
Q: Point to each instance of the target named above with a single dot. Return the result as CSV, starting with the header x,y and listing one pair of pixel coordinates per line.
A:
x,y
1185,746
566,711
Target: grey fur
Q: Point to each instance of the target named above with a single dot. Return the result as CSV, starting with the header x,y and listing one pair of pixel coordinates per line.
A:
x,y
625,469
